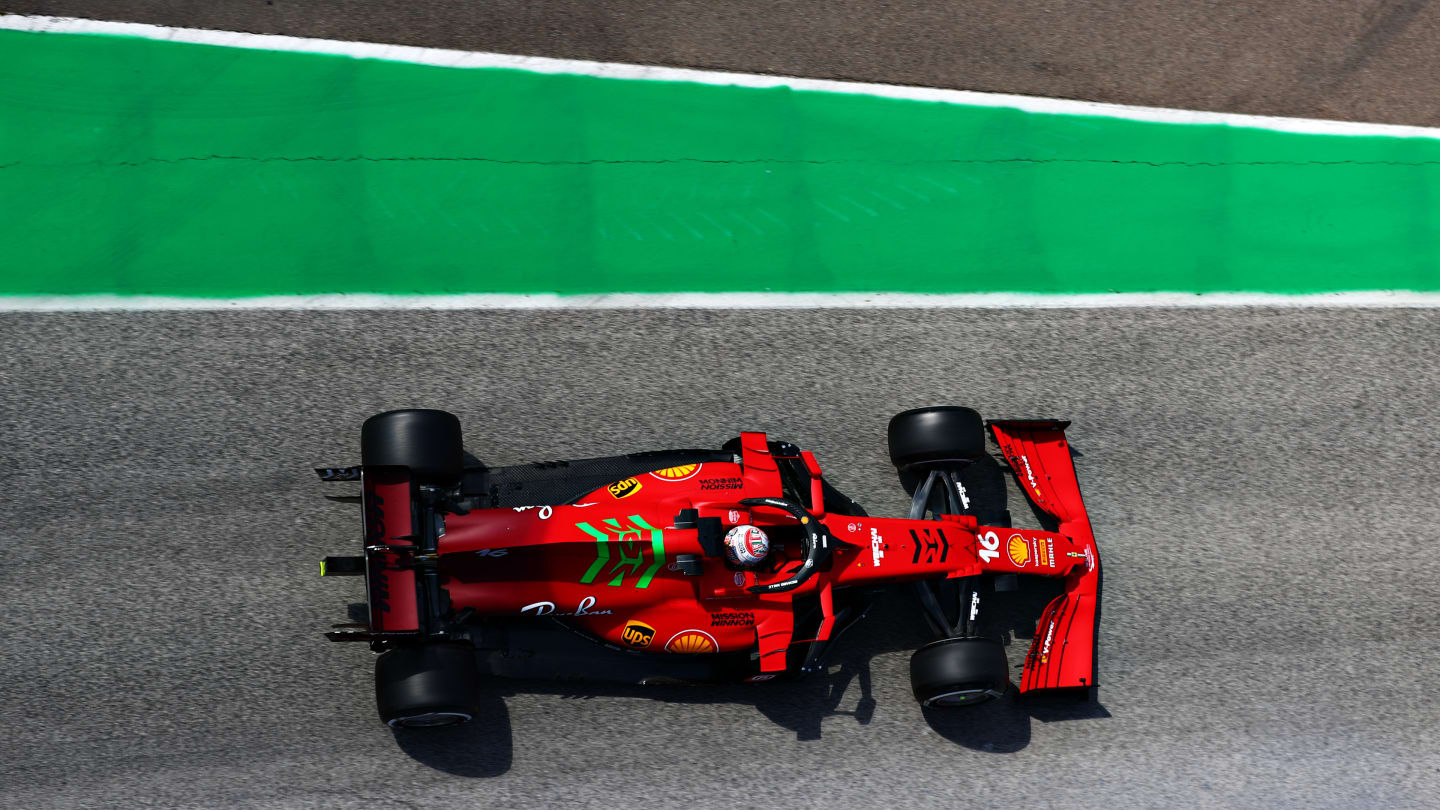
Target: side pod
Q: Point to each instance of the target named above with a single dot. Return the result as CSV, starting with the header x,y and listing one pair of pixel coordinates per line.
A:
x,y
1062,655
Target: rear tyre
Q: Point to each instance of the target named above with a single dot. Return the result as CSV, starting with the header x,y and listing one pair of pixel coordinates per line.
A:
x,y
944,433
426,441
959,672
426,686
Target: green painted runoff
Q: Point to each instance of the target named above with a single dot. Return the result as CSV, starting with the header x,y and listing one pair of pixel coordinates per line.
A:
x,y
142,167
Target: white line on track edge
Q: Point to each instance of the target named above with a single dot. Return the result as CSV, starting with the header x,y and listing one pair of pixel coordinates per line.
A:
x,y
538,64
1386,299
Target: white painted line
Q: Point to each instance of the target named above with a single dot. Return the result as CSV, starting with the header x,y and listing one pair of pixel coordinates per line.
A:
x,y
613,70
1384,299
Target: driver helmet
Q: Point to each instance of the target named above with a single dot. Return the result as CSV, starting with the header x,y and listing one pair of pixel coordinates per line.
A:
x,y
746,545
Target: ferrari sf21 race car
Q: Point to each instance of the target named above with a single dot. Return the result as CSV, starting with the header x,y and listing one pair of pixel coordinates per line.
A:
x,y
742,563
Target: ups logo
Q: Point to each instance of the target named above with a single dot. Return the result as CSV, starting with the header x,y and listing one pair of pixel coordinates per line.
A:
x,y
624,489
637,634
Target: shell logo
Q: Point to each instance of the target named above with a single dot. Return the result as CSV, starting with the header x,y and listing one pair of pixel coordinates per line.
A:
x,y
691,641
1018,550
679,473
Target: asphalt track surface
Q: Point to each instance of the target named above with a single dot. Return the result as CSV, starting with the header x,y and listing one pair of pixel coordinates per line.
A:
x,y
1376,60
1261,483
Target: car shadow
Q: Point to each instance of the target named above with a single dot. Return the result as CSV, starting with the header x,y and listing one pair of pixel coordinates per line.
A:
x,y
484,747
1002,726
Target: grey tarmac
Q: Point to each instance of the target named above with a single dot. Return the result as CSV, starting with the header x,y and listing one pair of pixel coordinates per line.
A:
x,y
1261,481
1359,61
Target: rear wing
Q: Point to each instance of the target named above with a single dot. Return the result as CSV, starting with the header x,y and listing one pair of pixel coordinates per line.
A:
x,y
1062,654
388,565
390,530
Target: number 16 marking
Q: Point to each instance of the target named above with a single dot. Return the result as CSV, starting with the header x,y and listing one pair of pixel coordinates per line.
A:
x,y
989,546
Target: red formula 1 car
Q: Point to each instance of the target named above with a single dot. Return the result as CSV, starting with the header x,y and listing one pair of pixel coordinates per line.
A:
x,y
741,563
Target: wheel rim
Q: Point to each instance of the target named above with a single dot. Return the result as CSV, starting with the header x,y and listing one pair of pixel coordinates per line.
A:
x,y
429,720
963,698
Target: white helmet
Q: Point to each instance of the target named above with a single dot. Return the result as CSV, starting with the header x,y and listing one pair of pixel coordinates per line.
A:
x,y
746,545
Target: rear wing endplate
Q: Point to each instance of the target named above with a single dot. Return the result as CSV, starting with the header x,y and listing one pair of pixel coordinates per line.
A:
x,y
1062,654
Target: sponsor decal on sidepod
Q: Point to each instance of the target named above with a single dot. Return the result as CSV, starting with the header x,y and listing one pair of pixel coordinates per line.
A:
x,y
548,609
711,484
626,488
691,641
736,618
637,634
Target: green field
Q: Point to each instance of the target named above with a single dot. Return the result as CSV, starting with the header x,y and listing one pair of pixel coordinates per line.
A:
x,y
143,167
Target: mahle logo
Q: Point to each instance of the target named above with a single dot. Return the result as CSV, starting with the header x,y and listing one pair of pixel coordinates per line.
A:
x,y
637,634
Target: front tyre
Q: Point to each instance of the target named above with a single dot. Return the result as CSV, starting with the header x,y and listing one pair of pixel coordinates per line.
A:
x,y
944,434
426,685
959,672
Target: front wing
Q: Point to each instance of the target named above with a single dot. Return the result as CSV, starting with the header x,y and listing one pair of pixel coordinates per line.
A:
x,y
1062,654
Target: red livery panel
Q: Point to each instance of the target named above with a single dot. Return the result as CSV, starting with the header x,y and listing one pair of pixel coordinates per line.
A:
x,y
388,522
640,564
1062,654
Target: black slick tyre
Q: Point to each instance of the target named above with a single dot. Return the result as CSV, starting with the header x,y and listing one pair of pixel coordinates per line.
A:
x,y
959,672
940,434
425,686
426,441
